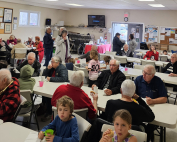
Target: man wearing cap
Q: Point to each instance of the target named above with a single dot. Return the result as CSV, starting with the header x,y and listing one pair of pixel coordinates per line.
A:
x,y
117,44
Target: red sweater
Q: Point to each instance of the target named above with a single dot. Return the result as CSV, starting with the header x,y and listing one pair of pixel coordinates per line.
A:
x,y
151,53
80,98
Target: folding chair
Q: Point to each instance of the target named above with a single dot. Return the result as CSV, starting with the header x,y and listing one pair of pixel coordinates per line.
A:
x,y
22,51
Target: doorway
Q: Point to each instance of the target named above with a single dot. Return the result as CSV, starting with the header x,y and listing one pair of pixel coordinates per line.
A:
x,y
125,29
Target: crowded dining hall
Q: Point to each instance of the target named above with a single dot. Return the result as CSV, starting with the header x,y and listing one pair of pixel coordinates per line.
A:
x,y
82,71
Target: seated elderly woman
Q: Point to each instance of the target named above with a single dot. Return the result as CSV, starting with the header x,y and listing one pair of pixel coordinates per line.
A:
x,y
12,40
9,95
39,48
30,41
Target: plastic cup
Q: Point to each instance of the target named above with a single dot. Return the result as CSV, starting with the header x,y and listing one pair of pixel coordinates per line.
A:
x,y
78,61
41,83
126,69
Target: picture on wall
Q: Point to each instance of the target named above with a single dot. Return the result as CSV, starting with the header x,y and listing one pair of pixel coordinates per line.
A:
x,y
8,28
8,15
1,12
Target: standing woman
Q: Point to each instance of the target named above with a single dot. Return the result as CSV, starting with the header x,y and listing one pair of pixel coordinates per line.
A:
x,y
63,46
132,43
39,47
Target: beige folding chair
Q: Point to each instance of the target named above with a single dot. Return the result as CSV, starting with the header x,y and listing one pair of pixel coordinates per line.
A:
x,y
81,112
141,136
121,59
28,111
110,53
163,58
140,67
22,51
82,69
145,62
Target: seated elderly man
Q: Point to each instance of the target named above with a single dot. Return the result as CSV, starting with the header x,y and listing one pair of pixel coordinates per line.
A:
x,y
94,47
74,91
56,72
150,86
126,51
17,55
9,95
171,69
31,60
110,80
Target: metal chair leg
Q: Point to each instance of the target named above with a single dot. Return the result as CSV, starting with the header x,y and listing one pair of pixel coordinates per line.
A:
x,y
37,121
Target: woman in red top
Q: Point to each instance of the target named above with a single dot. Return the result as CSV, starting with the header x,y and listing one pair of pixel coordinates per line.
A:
x,y
152,54
39,47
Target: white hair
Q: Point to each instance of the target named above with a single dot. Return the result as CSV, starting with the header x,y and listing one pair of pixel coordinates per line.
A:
x,y
32,54
57,59
128,88
125,45
77,78
117,62
5,73
150,67
47,28
31,37
174,54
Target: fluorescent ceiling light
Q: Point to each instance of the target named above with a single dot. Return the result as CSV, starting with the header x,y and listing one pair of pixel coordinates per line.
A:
x,y
156,5
146,0
73,4
51,0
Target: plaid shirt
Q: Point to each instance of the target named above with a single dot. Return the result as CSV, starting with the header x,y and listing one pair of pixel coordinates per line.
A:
x,y
9,101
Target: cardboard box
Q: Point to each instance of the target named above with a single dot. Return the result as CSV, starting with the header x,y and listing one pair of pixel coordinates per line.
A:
x,y
164,47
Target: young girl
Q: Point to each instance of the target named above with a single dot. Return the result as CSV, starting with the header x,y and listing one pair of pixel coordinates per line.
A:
x,y
64,123
152,54
122,123
93,67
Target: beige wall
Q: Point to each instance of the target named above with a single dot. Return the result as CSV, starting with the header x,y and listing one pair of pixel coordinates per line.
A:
x,y
157,17
24,32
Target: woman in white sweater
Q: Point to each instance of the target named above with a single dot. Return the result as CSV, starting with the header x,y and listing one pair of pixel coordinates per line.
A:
x,y
132,43
63,46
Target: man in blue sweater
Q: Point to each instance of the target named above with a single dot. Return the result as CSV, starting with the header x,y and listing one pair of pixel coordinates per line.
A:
x,y
48,45
117,44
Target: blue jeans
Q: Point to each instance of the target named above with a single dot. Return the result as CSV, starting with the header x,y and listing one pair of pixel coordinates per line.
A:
x,y
48,55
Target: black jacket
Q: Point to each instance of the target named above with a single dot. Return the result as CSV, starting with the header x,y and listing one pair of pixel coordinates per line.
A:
x,y
115,81
128,54
36,66
117,45
140,112
168,65
48,41
61,74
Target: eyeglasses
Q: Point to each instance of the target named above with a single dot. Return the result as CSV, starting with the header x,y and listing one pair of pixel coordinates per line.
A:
x,y
146,73
112,65
53,62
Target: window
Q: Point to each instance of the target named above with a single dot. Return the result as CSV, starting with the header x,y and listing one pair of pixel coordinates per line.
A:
x,y
29,18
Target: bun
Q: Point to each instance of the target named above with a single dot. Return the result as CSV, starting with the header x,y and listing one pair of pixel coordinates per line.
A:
x,y
92,92
111,134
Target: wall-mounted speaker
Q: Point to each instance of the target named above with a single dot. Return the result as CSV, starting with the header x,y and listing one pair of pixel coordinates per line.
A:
x,y
48,22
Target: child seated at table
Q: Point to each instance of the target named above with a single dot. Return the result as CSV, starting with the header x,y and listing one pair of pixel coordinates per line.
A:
x,y
64,123
70,64
93,67
106,60
122,120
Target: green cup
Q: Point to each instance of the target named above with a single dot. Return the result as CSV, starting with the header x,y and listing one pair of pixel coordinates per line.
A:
x,y
48,131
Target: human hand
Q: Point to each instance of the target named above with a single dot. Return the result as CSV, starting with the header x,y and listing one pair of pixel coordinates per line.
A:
x,y
76,58
93,86
86,67
135,96
49,138
64,38
155,51
172,74
49,66
53,38
95,97
105,137
48,78
149,101
12,42
41,135
108,92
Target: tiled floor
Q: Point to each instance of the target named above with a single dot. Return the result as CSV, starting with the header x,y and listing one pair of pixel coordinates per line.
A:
x,y
171,134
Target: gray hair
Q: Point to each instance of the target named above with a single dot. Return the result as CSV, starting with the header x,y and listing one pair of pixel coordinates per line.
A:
x,y
18,40
150,67
77,78
128,87
96,47
57,59
46,29
117,62
62,28
32,54
175,54
5,73
125,45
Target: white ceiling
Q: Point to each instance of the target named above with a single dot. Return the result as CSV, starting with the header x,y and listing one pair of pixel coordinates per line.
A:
x,y
101,4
